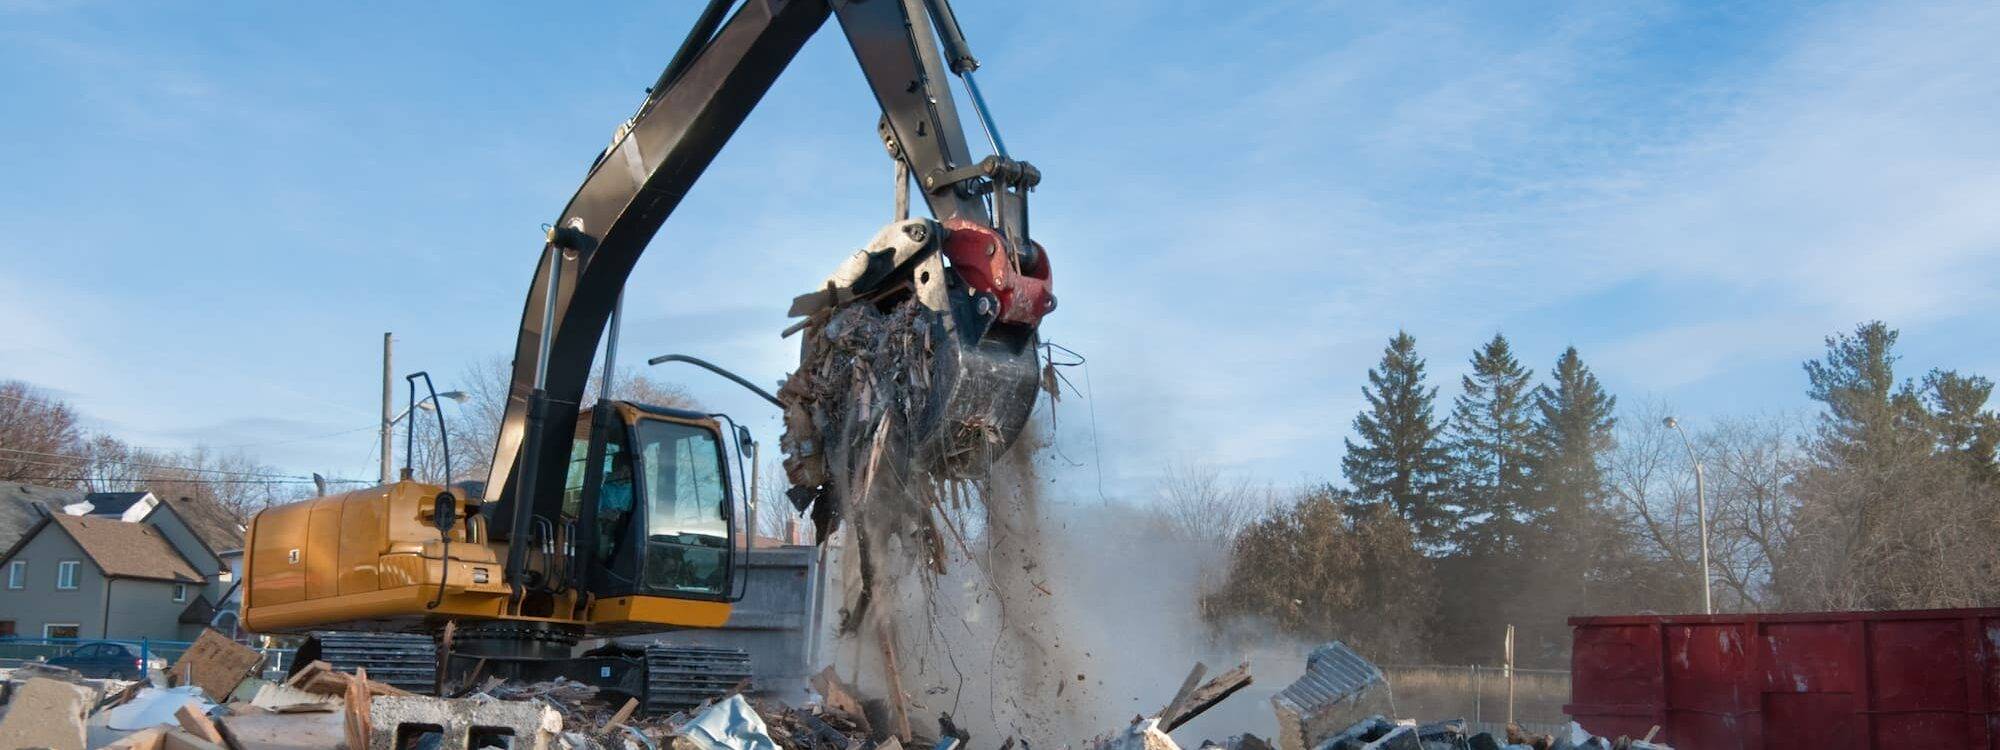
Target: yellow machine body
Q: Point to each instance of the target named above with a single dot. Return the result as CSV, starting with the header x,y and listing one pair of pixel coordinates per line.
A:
x,y
372,560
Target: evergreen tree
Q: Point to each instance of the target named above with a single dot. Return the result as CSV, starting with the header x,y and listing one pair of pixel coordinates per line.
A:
x,y
1400,461
1573,422
1869,419
1966,430
1490,433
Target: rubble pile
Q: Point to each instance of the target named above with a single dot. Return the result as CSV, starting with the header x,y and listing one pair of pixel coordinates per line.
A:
x,y
319,708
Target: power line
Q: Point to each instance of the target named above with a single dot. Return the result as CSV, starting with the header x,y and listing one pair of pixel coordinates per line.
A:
x,y
203,481
265,444
70,461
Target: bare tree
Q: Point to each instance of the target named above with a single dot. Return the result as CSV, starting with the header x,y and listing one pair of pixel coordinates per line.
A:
x,y
1198,503
40,440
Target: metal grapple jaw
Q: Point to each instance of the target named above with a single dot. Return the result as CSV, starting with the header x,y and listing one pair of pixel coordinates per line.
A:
x,y
920,361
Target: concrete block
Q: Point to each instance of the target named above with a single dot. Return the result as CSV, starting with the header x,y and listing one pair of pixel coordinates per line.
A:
x,y
46,713
393,718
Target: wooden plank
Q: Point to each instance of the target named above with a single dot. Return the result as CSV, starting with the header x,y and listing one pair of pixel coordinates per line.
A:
x,y
1181,696
838,698
624,712
1209,694
897,709
197,724
357,710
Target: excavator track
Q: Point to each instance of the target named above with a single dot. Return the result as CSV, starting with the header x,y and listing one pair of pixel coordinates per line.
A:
x,y
404,660
682,676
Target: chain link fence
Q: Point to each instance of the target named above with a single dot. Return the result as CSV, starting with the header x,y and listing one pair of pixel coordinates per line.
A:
x,y
1486,697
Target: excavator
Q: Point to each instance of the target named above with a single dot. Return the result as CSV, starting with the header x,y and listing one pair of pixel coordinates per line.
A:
x,y
619,518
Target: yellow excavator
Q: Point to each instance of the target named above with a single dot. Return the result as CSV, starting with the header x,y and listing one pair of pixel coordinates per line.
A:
x,y
619,518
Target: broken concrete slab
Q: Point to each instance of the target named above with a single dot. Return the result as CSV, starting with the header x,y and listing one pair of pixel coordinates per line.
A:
x,y
46,713
270,731
395,720
1338,687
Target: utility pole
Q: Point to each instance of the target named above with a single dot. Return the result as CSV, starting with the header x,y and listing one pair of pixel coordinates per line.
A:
x,y
1701,509
388,392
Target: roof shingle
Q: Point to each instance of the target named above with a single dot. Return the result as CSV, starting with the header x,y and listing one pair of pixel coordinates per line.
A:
x,y
127,550
211,523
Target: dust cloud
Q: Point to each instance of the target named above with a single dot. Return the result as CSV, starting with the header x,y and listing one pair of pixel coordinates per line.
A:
x,y
1051,622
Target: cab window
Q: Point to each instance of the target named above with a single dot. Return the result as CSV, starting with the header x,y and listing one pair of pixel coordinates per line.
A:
x,y
687,517
614,493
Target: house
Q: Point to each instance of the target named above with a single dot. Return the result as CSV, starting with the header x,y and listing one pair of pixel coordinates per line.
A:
x,y
119,565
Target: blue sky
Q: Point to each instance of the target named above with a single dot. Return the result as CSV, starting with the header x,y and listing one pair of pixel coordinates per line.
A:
x,y
217,208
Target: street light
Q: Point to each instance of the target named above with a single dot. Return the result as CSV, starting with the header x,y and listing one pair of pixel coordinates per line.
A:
x,y
430,405
1701,507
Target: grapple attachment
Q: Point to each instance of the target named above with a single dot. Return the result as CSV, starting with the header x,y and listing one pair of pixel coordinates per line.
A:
x,y
919,357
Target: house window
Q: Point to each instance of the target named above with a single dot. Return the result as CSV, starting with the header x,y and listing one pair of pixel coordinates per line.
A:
x,y
180,592
70,631
17,574
66,574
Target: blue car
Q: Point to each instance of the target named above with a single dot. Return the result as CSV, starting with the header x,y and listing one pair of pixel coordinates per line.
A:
x,y
105,659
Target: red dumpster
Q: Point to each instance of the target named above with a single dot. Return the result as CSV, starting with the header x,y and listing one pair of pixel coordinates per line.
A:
x,y
1803,680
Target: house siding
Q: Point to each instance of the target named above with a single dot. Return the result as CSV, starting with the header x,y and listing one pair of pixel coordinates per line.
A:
x,y
183,540
145,609
41,603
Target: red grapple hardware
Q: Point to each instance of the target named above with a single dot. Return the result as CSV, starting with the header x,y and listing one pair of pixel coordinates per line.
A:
x,y
981,257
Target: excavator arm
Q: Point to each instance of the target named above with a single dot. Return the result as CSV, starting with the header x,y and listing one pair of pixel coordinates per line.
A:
x,y
718,76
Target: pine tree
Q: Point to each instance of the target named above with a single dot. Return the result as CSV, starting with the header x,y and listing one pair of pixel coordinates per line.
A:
x,y
1573,422
1400,461
1490,433
1966,430
1870,419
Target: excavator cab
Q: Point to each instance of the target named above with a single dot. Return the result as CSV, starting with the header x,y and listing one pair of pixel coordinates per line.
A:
x,y
651,505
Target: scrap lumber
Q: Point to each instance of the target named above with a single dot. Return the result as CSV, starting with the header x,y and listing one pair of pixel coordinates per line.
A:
x,y
1205,697
216,664
1187,690
836,697
197,724
321,678
357,696
152,738
898,710
617,719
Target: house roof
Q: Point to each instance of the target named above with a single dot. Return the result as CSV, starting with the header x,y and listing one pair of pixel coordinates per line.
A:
x,y
127,550
112,503
22,506
198,612
211,523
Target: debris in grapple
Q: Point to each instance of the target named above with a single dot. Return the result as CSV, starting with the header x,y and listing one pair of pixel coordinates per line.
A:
x,y
900,371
